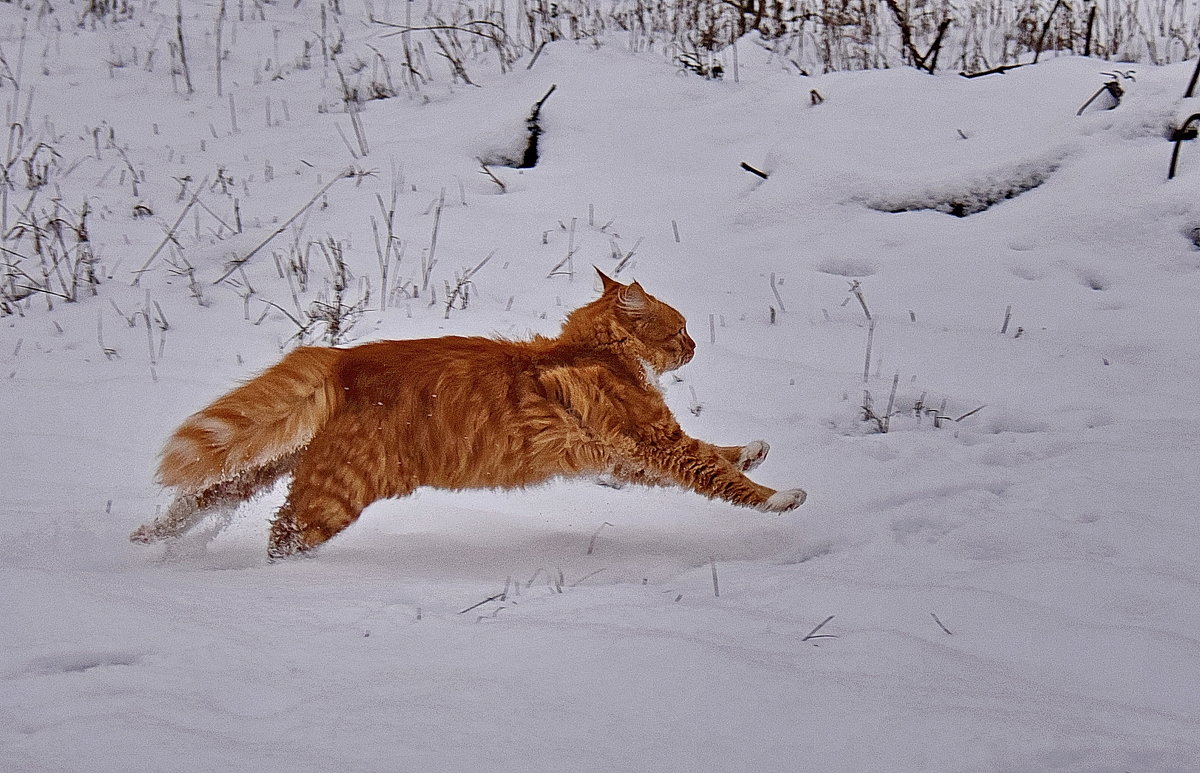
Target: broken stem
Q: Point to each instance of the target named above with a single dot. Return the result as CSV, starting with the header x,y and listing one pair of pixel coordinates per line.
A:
x,y
236,264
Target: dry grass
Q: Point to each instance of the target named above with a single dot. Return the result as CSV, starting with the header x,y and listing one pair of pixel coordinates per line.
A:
x,y
814,36
47,256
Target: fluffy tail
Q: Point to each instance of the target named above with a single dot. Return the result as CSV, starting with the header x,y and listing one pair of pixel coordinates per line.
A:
x,y
272,415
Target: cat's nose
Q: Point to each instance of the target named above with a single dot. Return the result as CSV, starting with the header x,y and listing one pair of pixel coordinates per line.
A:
x,y
689,348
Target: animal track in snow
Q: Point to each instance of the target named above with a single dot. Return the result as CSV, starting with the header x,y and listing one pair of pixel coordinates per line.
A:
x,y
1092,279
970,197
80,662
847,266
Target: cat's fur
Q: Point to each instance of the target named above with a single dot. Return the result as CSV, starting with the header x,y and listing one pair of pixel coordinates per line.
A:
x,y
378,420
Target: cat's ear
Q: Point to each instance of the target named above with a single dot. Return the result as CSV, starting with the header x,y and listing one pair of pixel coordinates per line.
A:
x,y
633,299
610,284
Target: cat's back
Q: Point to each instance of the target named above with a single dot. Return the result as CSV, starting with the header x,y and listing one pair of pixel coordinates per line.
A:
x,y
381,370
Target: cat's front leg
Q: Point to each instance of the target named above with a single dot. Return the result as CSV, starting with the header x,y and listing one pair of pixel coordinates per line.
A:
x,y
742,459
746,457
705,469
782,501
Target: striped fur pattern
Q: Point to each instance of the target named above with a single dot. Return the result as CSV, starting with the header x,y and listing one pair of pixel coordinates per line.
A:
x,y
356,425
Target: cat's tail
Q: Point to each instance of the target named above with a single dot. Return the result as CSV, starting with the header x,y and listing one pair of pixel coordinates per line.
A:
x,y
268,417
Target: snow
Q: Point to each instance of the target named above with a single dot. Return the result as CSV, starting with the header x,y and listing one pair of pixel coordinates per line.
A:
x,y
1013,591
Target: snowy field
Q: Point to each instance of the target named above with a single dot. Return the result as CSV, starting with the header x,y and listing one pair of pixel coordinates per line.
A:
x,y
1008,577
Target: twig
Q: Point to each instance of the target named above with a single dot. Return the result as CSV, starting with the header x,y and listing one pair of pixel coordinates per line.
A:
x,y
887,416
929,61
216,217
595,534
1087,40
488,600
940,625
360,133
1191,89
219,27
570,254
588,576
236,264
775,290
109,353
628,255
1181,134
537,107
1114,90
813,633
430,260
856,290
1001,70
712,562
460,289
536,54
187,75
970,413
905,32
870,415
464,27
754,171
484,168
170,233
384,252
867,364
303,326
1046,28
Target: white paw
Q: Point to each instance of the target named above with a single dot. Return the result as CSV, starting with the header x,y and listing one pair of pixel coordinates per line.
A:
x,y
753,454
782,501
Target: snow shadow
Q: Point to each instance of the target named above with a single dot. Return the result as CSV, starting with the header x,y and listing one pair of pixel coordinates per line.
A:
x,y
970,198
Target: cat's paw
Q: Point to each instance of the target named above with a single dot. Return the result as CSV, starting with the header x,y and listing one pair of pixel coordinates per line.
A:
x,y
145,534
782,501
609,481
285,539
753,454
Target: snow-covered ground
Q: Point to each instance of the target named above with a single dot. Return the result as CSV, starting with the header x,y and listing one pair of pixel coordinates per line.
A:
x,y
1010,588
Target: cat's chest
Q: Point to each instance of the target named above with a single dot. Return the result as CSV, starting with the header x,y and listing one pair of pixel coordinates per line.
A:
x,y
650,379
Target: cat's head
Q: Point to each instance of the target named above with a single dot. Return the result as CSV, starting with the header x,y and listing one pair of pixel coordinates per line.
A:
x,y
649,329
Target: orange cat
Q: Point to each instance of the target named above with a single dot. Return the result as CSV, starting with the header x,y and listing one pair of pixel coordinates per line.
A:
x,y
378,420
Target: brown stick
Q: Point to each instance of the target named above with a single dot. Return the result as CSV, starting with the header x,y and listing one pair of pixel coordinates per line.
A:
x,y
754,171
170,232
236,264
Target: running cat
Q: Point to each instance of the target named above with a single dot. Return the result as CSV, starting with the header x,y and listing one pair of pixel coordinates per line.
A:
x,y
375,421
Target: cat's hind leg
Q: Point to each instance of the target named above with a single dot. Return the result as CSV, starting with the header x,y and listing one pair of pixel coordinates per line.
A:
x,y
190,508
184,512
312,515
333,484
